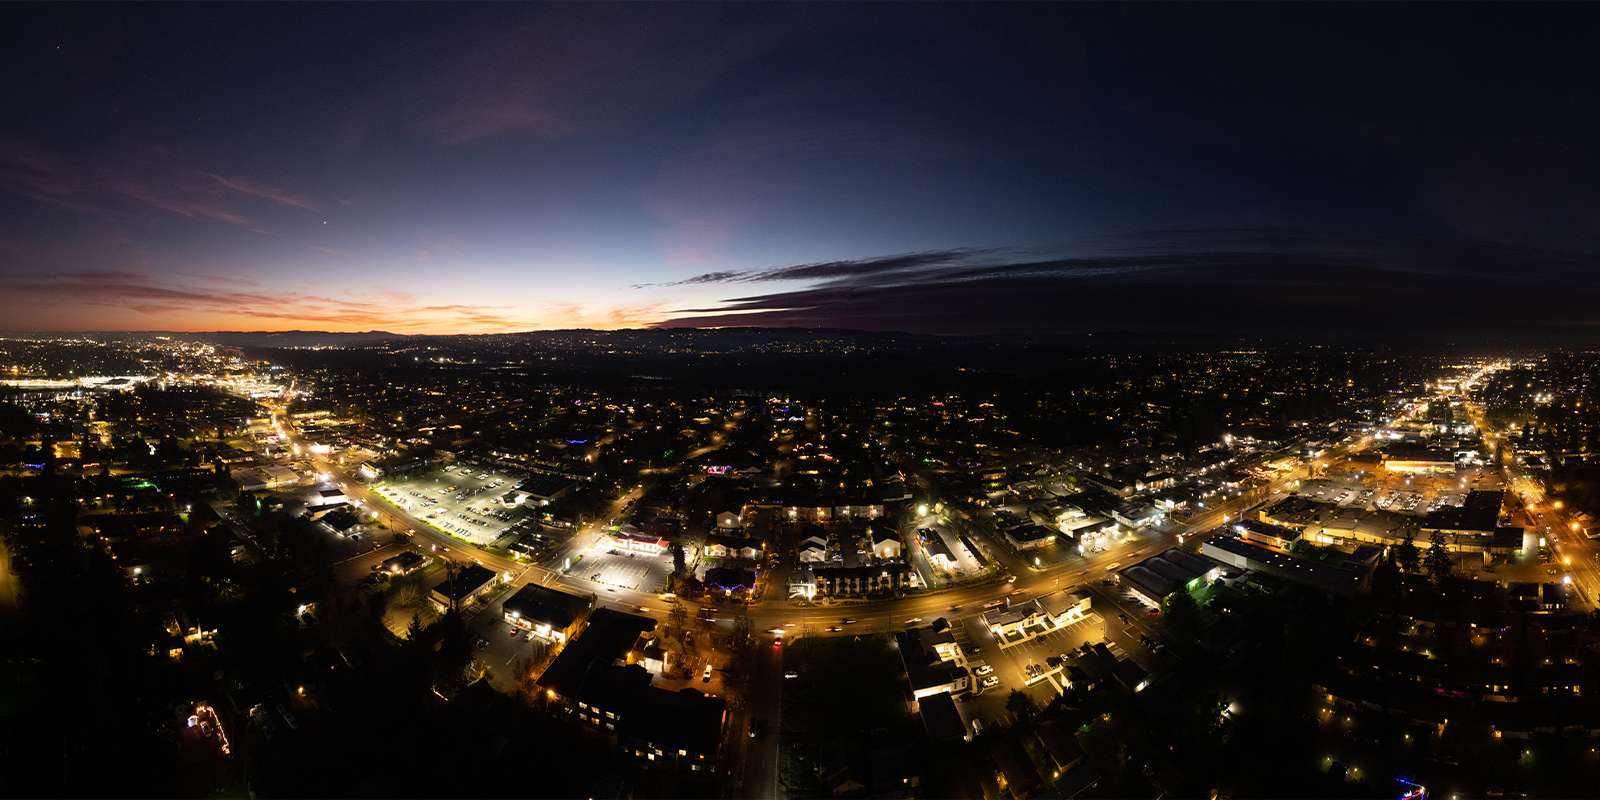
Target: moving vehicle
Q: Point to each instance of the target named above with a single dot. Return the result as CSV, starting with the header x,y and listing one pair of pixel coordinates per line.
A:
x,y
705,675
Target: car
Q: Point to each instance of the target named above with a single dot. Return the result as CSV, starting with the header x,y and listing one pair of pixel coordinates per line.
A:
x,y
913,620
983,669
482,643
516,633
849,621
834,629
791,675
990,682
1153,613
705,675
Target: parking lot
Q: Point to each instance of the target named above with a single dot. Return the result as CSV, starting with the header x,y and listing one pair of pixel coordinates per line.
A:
x,y
608,567
461,500
1402,493
507,651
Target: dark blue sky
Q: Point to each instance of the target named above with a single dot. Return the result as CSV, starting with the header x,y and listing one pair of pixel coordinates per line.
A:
x,y
933,168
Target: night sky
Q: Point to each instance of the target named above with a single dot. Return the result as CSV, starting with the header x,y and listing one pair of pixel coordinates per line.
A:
x,y
1369,170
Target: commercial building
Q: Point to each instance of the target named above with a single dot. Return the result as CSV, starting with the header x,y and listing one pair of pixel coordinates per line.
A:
x,y
403,564
327,496
1267,534
1030,537
635,541
547,613
600,679
464,588
1152,579
1344,579
1403,458
541,489
1040,615
933,660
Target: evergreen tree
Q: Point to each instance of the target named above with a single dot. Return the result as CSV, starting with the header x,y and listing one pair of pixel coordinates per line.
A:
x,y
1409,557
1438,559
1182,612
679,560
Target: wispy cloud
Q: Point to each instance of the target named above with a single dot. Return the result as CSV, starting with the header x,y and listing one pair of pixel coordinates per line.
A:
x,y
170,304
153,181
843,270
1212,279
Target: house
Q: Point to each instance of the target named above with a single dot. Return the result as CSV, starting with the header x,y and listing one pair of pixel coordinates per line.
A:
x,y
461,590
725,546
813,550
729,521
547,613
939,554
886,544
863,580
731,579
1014,772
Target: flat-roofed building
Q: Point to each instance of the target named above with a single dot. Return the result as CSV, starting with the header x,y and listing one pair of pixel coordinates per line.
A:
x,y
548,613
463,589
1342,579
933,660
1152,579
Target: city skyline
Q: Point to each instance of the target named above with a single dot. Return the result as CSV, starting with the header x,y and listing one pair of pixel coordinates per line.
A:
x,y
1033,169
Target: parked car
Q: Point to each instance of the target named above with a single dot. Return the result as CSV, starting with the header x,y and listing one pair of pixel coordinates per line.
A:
x,y
990,682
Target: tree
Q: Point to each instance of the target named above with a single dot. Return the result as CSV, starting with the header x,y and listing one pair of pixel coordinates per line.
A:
x,y
1020,705
1439,562
1182,613
247,505
1408,556
679,560
1386,582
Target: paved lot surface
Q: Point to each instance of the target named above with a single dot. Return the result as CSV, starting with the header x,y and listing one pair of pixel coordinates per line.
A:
x,y
463,501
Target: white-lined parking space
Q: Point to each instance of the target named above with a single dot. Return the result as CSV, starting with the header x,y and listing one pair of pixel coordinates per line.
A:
x,y
619,569
464,500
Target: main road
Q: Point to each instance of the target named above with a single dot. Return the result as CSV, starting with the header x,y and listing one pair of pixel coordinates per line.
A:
x,y
812,619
